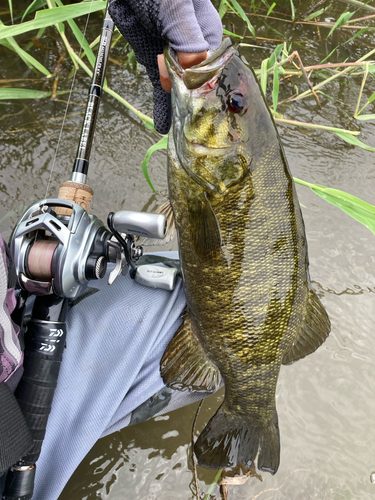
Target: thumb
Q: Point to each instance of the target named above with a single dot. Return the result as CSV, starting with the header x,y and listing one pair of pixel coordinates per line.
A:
x,y
186,60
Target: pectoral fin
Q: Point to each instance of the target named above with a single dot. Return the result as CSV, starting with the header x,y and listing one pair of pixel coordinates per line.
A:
x,y
167,210
314,330
204,228
185,365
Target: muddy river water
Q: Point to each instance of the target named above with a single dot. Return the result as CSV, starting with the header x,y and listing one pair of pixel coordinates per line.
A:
x,y
326,402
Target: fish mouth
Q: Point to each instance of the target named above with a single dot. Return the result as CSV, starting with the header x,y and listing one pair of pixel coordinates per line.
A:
x,y
204,150
195,76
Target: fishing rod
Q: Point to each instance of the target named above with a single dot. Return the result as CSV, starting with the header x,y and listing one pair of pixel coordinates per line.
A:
x,y
58,248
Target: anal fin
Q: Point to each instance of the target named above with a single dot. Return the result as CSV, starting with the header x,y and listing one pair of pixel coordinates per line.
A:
x,y
185,365
314,330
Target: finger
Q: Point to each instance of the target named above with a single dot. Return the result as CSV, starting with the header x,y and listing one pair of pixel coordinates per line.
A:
x,y
186,60
164,76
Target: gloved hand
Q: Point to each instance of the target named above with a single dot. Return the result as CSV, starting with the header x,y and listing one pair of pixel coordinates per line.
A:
x,y
15,438
192,26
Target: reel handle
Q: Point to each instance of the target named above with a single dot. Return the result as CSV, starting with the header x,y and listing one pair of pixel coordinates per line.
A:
x,y
140,224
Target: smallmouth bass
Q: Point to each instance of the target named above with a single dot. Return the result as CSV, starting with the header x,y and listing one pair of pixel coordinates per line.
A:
x,y
243,253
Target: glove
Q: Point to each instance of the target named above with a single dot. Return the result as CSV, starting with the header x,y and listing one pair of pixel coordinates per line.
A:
x,y
149,25
15,438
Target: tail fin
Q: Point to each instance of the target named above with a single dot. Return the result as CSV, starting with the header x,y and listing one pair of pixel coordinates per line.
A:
x,y
230,438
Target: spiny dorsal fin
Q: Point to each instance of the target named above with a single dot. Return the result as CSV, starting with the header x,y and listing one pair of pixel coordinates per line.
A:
x,y
165,209
204,228
314,330
185,365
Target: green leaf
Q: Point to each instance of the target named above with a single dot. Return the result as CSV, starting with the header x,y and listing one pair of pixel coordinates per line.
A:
x,y
10,43
11,9
223,7
22,94
80,38
274,56
275,31
372,98
343,19
275,91
35,5
293,10
329,55
48,17
162,144
319,127
326,95
212,486
242,15
365,117
353,140
263,75
315,14
360,5
26,57
12,93
229,33
360,32
271,9
360,210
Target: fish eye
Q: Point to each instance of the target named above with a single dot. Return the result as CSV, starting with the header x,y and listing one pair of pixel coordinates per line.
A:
x,y
236,102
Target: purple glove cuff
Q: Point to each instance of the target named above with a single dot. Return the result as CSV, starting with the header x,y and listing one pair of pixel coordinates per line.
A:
x,y
11,355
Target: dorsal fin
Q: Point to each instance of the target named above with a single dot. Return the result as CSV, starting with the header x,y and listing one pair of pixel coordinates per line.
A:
x,y
314,330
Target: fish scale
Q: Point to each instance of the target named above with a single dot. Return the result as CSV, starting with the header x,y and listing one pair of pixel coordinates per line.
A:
x,y
243,253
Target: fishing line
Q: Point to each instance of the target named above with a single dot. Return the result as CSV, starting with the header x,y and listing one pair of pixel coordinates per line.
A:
x,y
68,103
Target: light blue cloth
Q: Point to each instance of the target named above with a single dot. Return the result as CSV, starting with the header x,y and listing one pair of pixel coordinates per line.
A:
x,y
116,338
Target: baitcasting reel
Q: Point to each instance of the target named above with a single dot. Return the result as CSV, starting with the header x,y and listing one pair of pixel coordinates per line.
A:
x,y
59,254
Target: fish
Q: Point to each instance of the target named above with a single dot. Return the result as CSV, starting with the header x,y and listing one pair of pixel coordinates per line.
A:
x,y
251,306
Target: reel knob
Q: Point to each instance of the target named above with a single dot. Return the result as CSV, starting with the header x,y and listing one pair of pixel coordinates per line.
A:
x,y
96,264
100,267
96,267
140,224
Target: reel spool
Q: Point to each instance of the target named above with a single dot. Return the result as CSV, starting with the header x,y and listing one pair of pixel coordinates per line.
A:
x,y
41,252
39,259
